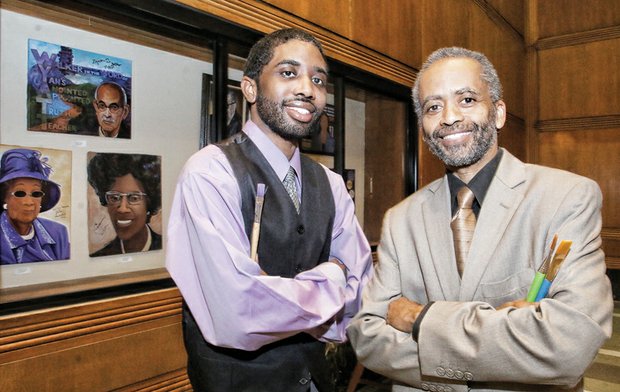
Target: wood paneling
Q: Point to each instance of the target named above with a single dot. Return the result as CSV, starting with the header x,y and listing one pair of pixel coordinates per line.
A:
x,y
430,167
512,137
580,80
95,346
573,82
444,23
512,11
591,153
333,15
260,16
384,160
507,53
560,17
374,23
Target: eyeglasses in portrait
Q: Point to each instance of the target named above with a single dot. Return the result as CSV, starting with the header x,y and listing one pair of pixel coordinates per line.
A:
x,y
124,203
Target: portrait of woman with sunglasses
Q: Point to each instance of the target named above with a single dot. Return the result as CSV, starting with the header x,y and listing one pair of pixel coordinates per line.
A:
x,y
26,190
129,185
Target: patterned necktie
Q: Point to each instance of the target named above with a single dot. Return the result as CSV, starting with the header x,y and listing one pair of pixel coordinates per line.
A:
x,y
291,186
463,225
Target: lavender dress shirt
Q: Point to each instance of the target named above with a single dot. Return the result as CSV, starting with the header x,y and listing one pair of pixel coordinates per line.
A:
x,y
208,256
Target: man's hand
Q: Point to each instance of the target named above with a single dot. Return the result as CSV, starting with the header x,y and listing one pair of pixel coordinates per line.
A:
x,y
520,303
320,330
402,313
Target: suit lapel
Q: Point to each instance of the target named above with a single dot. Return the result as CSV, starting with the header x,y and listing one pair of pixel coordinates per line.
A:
x,y
436,215
500,203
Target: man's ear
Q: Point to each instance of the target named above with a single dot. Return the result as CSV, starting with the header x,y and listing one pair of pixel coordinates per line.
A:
x,y
248,88
125,111
500,110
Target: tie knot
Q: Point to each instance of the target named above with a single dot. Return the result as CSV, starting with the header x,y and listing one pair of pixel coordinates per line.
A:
x,y
290,175
465,197
291,187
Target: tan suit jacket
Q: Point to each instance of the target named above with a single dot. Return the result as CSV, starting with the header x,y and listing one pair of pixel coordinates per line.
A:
x,y
463,341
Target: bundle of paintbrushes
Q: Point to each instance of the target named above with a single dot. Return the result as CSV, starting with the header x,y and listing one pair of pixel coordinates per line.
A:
x,y
258,212
548,270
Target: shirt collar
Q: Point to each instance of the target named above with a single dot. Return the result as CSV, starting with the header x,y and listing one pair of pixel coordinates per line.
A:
x,y
481,181
276,158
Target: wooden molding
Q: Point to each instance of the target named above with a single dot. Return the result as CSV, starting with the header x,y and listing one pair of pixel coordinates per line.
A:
x,y
579,123
42,290
610,234
580,38
516,120
172,381
612,262
128,343
59,325
498,19
259,16
58,14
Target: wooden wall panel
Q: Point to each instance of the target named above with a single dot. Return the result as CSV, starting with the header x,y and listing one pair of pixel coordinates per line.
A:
x,y
430,167
511,10
507,53
384,161
444,23
591,153
512,137
263,17
560,17
95,346
580,80
333,15
390,27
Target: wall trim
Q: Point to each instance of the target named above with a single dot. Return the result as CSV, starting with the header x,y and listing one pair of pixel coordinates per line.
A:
x,y
580,38
171,381
498,19
63,325
264,18
610,234
578,123
516,120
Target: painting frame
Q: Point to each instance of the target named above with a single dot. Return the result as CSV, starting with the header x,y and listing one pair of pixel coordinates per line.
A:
x,y
322,139
236,116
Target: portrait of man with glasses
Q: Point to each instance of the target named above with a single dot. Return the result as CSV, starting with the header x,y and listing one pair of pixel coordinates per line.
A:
x,y
112,108
128,186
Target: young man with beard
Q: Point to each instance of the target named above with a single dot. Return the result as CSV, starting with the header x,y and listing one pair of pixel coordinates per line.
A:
x,y
431,322
261,325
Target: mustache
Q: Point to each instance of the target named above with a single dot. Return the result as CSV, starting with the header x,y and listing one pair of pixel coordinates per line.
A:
x,y
297,99
442,131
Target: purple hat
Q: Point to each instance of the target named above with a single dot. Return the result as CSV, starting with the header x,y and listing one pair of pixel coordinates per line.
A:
x,y
20,163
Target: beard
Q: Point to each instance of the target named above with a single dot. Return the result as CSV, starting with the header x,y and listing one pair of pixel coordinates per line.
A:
x,y
484,136
274,117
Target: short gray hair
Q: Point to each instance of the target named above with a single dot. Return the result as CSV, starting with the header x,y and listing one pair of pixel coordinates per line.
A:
x,y
489,74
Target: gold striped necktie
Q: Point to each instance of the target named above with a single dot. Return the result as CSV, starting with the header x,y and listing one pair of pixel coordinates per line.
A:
x,y
463,225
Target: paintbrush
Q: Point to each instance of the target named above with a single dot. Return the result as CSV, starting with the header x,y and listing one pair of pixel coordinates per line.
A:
x,y
541,273
558,259
258,212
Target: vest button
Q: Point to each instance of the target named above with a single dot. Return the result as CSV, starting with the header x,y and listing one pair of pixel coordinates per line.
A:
x,y
298,268
301,229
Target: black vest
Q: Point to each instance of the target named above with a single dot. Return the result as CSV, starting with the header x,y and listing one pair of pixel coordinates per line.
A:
x,y
289,243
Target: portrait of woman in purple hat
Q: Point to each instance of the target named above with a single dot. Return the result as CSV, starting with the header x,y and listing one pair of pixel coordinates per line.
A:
x,y
25,191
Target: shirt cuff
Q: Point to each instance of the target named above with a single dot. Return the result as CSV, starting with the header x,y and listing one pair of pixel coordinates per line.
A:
x,y
333,273
415,331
